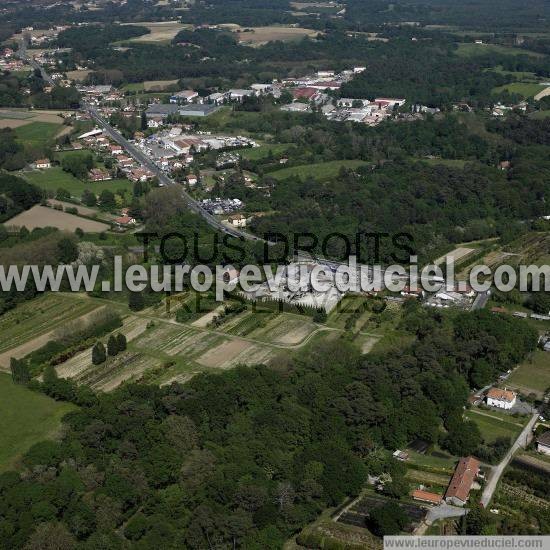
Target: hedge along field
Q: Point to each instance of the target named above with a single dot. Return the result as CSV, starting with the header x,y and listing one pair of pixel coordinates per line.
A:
x,y
26,418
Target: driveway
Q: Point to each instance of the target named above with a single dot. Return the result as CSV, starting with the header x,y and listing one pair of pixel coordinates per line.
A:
x,y
522,441
444,511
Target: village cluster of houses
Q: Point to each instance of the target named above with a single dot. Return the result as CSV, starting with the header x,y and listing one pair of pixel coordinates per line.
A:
x,y
96,140
9,62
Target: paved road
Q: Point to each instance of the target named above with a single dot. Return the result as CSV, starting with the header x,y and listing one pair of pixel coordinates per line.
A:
x,y
522,441
480,301
444,511
163,178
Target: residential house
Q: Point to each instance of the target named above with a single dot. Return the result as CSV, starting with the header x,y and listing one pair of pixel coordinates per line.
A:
x,y
462,481
125,221
261,89
238,220
191,179
42,164
426,496
96,174
140,174
116,149
502,399
543,443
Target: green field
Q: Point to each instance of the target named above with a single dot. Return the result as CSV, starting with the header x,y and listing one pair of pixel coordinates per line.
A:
x,y
37,134
469,49
533,374
540,115
38,316
54,178
525,89
450,163
26,418
321,170
493,425
256,153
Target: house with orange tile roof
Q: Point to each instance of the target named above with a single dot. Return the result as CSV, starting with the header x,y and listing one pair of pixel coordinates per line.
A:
x,y
502,399
426,496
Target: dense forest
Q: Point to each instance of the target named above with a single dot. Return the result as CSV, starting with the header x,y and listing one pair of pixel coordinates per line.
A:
x,y
249,456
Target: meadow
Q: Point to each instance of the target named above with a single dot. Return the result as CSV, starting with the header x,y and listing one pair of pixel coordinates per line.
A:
x,y
493,425
525,89
533,375
321,170
470,49
26,418
37,134
54,178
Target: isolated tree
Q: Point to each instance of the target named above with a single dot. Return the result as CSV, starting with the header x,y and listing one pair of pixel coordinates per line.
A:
x,y
67,250
98,354
107,199
19,371
112,346
136,301
88,198
121,341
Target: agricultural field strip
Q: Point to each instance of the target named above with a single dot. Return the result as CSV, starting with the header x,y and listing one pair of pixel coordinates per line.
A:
x,y
46,320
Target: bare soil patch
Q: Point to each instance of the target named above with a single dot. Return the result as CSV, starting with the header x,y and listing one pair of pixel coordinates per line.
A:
x,y
223,353
161,31
457,254
205,319
157,85
42,216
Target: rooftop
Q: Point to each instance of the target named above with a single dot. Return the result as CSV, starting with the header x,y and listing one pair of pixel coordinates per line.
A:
x,y
501,395
463,478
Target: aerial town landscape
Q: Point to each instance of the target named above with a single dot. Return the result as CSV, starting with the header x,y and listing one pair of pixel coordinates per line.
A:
x,y
318,136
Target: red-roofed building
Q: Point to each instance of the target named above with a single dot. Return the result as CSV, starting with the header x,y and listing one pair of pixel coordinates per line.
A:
x,y
425,496
304,93
462,481
125,221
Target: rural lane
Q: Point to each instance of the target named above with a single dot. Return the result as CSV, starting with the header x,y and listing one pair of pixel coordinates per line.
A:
x,y
522,441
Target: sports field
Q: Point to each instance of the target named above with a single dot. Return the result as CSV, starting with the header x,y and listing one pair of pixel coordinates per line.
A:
x,y
26,418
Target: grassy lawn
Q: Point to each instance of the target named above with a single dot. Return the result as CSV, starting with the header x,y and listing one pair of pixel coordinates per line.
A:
x,y
540,115
37,133
517,74
450,163
469,49
525,89
54,178
492,425
256,153
26,418
320,171
533,374
444,464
